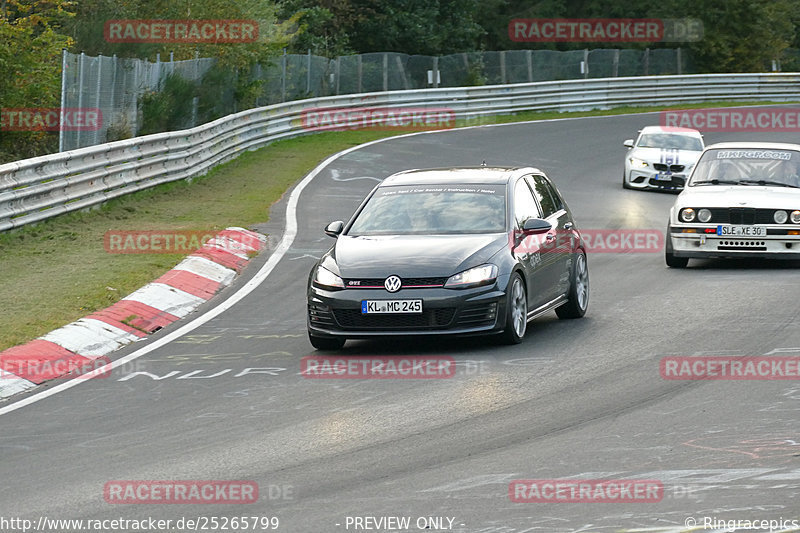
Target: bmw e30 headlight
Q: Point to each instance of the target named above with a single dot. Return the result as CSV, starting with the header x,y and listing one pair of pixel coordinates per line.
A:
x,y
687,215
780,216
704,215
474,277
325,278
795,217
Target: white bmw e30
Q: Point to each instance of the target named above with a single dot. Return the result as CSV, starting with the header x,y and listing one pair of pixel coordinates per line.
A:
x,y
742,200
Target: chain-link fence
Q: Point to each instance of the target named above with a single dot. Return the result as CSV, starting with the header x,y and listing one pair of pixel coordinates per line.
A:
x,y
116,86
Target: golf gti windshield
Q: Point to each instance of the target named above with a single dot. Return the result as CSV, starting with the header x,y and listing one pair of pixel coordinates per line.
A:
x,y
435,209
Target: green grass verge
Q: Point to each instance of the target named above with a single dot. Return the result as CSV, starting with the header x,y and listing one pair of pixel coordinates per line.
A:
x,y
58,271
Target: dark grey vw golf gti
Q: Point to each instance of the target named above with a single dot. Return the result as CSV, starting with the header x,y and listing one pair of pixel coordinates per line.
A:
x,y
449,251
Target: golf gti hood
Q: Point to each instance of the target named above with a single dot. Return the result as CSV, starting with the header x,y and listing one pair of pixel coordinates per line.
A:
x,y
414,255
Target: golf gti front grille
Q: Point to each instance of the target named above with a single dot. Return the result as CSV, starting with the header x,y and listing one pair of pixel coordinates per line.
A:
x,y
320,316
474,316
407,283
428,319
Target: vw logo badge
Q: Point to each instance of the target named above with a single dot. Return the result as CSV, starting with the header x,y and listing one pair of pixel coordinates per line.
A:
x,y
392,284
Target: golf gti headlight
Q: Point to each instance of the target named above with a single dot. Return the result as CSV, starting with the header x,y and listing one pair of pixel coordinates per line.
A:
x,y
780,216
687,215
704,215
326,278
638,163
474,277
795,217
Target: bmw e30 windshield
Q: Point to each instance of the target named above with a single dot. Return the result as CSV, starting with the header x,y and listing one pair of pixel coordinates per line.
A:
x,y
748,167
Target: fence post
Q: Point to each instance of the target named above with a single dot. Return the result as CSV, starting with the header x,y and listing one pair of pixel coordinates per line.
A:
x,y
646,61
680,61
308,73
529,58
113,103
80,96
503,67
360,69
615,71
338,72
585,63
196,99
402,72
283,76
385,71
63,99
435,72
96,132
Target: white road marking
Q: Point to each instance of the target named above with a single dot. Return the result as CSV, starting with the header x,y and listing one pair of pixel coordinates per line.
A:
x,y
335,176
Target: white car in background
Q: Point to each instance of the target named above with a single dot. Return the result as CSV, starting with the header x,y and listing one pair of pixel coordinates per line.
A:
x,y
743,200
661,158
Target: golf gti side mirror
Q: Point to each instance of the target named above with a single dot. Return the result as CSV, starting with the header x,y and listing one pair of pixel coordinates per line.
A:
x,y
628,143
536,226
334,229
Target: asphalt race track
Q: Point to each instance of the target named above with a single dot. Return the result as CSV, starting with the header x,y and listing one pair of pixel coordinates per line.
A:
x,y
577,399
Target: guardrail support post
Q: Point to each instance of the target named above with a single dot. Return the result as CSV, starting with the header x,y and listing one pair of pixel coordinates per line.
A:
x,y
615,65
679,60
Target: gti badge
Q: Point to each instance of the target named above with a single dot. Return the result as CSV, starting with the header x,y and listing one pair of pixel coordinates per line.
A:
x,y
392,284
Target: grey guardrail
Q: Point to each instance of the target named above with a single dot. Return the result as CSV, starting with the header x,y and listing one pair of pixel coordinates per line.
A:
x,y
35,189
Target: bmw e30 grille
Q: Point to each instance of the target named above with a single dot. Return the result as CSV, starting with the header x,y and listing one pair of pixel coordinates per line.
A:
x,y
407,283
428,319
741,215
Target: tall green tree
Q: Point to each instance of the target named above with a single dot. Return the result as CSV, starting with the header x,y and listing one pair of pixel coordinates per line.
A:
x,y
428,27
30,68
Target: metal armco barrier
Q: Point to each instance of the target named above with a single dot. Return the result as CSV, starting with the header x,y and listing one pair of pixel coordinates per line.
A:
x,y
35,189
